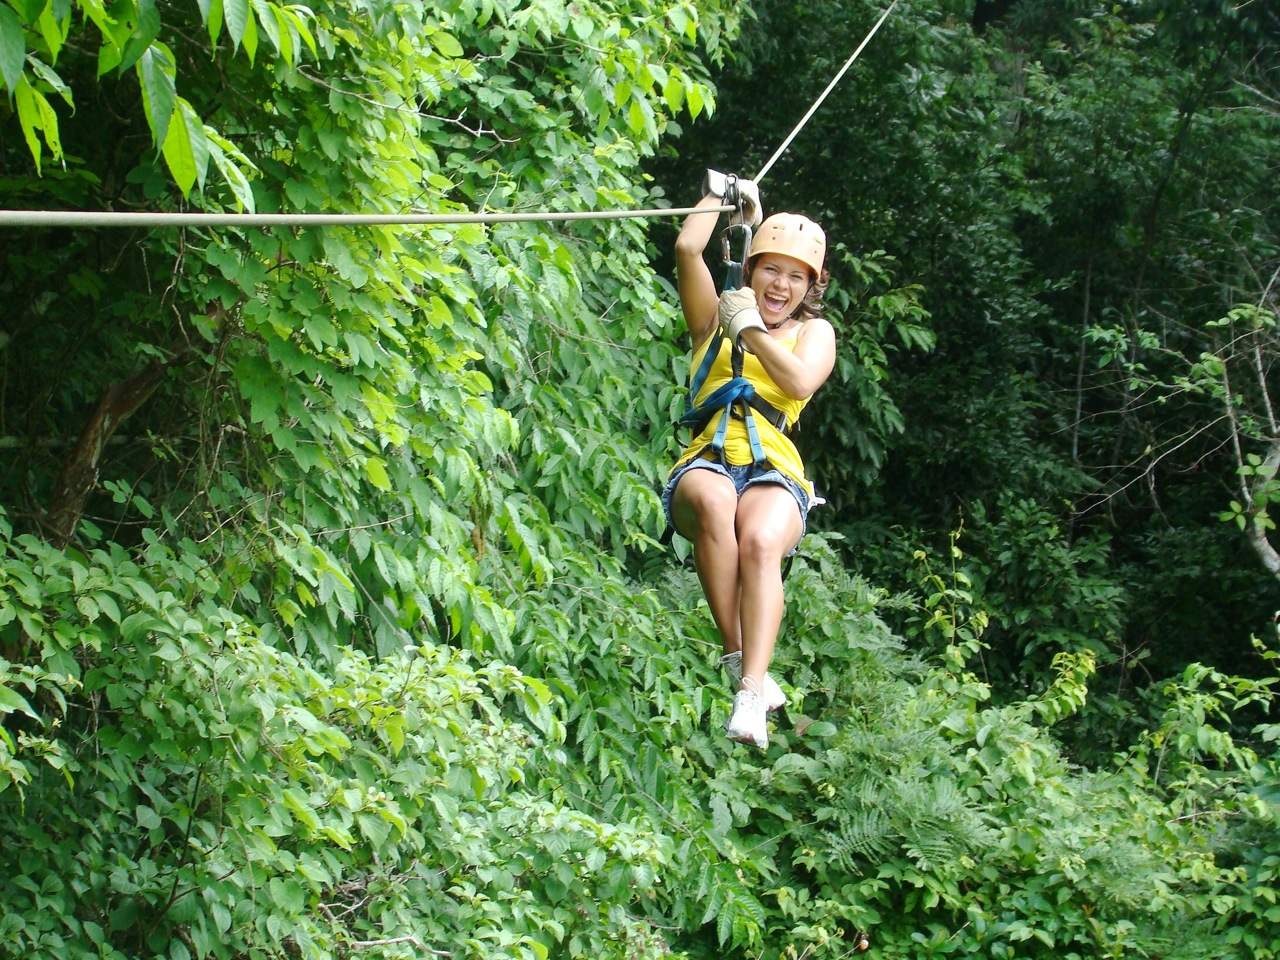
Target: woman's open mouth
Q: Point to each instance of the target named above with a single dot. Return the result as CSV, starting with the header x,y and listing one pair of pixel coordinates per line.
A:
x,y
775,304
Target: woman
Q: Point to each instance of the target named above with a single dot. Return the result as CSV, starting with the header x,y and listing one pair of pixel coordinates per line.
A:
x,y
744,516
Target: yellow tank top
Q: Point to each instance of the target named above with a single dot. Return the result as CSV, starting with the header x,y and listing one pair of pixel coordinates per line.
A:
x,y
778,448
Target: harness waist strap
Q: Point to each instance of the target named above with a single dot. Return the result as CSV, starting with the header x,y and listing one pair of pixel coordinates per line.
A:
x,y
700,417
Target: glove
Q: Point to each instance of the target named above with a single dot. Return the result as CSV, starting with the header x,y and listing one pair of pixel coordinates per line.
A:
x,y
735,191
738,312
714,183
749,198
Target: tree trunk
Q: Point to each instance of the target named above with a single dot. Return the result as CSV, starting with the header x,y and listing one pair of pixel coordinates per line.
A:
x,y
80,471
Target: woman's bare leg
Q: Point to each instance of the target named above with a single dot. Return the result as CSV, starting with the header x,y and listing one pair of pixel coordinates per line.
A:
x,y
767,526
703,509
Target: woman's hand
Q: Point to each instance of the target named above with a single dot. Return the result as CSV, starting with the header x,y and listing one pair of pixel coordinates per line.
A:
x,y
741,192
738,311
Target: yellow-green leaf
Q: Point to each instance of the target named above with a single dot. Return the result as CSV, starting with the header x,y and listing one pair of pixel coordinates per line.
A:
x,y
447,44
186,148
376,470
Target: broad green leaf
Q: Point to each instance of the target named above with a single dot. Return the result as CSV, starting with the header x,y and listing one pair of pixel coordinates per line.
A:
x,y
49,76
679,19
250,40
148,27
446,43
298,804
721,819
673,92
107,25
109,56
375,829
11,700
13,48
53,29
214,21
107,603
136,626
299,24
376,470
595,101
636,117
693,96
33,114
156,76
288,895
236,13
29,10
186,148
265,18
284,35
232,165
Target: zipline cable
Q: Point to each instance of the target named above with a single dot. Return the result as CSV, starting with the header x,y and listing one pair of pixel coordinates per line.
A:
x,y
822,96
122,218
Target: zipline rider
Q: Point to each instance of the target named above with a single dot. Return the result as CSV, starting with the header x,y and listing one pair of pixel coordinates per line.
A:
x,y
739,490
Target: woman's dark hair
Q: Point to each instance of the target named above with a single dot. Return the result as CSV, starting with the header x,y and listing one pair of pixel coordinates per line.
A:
x,y
811,305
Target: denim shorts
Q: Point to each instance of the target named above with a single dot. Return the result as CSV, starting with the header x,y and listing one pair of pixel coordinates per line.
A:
x,y
742,477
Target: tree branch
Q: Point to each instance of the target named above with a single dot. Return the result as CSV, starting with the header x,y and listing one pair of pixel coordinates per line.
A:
x,y
1260,372
1256,532
393,941
1229,405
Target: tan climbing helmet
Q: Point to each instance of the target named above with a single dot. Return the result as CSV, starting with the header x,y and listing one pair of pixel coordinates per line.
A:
x,y
794,235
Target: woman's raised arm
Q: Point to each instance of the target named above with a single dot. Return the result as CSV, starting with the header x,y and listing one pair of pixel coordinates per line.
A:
x,y
698,296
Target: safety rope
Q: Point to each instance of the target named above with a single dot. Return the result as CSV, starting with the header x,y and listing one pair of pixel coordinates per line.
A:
x,y
822,96
122,218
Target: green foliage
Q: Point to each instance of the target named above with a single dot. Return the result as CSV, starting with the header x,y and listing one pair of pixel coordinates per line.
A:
x,y
875,321
361,642
228,797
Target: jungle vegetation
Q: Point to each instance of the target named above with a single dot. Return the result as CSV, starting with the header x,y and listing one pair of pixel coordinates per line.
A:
x,y
333,617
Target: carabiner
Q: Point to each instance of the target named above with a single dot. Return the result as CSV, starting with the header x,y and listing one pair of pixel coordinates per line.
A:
x,y
733,268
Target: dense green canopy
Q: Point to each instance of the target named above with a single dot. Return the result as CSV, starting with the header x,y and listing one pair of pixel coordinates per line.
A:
x,y
333,620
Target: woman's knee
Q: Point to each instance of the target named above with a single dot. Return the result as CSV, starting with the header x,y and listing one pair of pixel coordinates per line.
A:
x,y
768,525
761,544
705,500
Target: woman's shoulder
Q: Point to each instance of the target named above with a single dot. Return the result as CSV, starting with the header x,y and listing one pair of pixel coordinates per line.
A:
x,y
818,326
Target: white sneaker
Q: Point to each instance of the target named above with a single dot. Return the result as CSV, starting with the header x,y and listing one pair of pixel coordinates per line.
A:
x,y
747,723
772,694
